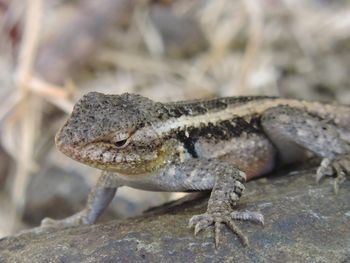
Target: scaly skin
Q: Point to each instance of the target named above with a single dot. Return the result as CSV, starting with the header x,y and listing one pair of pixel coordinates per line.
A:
x,y
199,145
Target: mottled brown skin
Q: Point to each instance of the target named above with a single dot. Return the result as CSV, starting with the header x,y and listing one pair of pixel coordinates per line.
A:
x,y
199,145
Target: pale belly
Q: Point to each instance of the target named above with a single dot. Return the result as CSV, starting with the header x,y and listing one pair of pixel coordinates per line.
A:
x,y
170,178
255,156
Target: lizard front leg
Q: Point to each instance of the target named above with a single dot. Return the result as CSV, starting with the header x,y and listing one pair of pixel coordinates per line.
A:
x,y
291,129
99,198
227,184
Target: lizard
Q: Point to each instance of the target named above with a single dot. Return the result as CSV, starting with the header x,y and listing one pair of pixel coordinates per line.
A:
x,y
215,144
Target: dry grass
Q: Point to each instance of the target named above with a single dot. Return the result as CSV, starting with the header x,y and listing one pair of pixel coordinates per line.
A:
x,y
275,47
23,110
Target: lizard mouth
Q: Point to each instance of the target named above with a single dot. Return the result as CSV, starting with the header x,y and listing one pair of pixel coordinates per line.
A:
x,y
87,153
105,157
91,154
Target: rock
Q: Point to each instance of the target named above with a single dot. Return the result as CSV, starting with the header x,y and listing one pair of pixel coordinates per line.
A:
x,y
54,193
304,222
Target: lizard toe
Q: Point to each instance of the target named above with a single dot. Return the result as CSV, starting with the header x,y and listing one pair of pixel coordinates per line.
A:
x,y
46,222
203,221
235,229
197,219
201,225
74,220
248,216
325,169
339,168
340,172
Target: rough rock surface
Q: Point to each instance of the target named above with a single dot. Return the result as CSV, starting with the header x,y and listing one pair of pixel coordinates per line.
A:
x,y
304,222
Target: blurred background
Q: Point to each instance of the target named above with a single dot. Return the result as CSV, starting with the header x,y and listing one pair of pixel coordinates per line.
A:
x,y
54,51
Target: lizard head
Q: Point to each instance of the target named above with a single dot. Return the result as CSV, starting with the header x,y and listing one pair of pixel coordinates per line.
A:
x,y
113,132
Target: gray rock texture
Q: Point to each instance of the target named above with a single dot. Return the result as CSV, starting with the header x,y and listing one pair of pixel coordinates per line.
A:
x,y
304,222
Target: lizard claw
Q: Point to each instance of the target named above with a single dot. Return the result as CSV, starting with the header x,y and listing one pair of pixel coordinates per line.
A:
x,y
203,221
339,168
199,222
325,169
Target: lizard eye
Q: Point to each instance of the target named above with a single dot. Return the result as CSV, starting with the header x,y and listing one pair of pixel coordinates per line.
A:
x,y
121,143
121,140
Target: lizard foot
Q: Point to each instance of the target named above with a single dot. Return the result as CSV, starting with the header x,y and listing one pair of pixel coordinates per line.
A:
x,y
74,220
49,224
338,168
203,221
